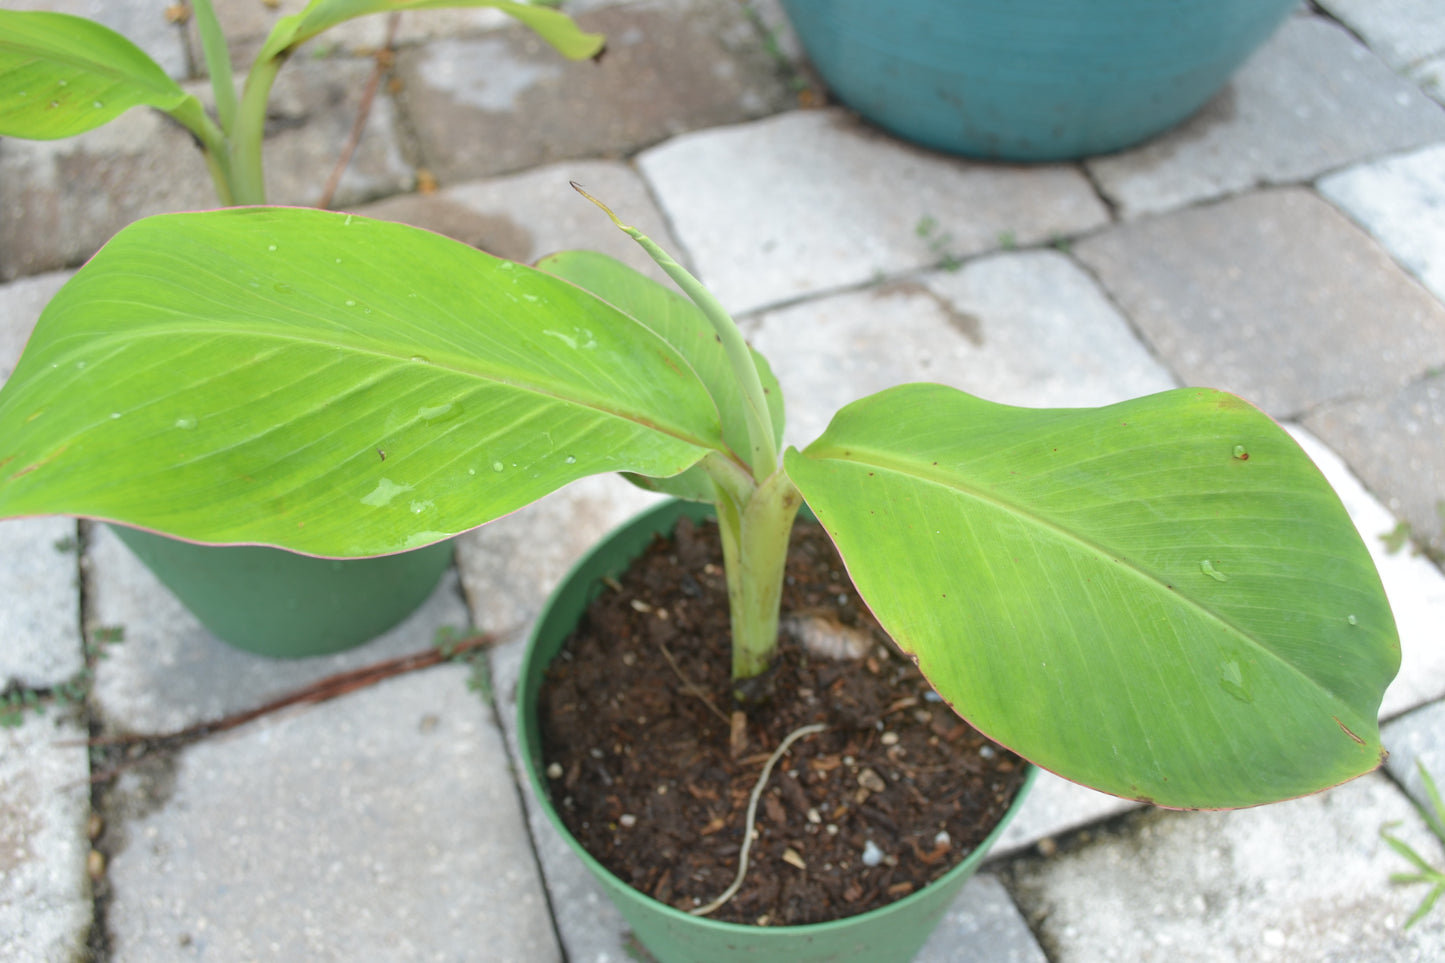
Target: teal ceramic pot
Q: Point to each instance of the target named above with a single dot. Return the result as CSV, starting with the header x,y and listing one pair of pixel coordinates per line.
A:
x,y
277,603
1030,80
891,934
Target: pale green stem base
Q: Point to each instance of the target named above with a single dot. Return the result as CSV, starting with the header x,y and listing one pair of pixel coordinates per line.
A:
x,y
755,550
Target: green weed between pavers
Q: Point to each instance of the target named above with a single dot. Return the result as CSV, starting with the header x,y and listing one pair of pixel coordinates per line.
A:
x,y
939,242
1427,873
480,678
16,701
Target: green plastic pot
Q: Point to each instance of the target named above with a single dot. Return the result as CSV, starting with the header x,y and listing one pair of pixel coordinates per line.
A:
x,y
891,934
1030,80
276,603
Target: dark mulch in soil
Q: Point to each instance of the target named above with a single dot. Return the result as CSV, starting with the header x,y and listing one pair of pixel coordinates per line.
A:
x,y
651,769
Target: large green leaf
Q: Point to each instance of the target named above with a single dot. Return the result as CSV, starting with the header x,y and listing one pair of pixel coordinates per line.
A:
x,y
682,324
1163,599
62,75
330,384
556,28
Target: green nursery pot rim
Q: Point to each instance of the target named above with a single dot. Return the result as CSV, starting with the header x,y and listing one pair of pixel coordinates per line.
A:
x,y
530,740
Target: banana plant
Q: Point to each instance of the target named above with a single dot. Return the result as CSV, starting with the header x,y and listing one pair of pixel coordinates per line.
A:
x,y
1162,599
62,75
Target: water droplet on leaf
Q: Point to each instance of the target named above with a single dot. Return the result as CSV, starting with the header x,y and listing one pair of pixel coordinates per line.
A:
x,y
438,413
1231,680
1352,620
1207,567
186,422
283,288
498,466
570,459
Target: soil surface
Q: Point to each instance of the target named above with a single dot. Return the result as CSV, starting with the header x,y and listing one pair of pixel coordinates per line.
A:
x,y
651,764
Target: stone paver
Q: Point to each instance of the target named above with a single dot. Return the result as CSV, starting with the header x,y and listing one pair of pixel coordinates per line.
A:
x,y
504,101
527,216
812,201
40,645
1301,880
1313,99
63,199
1401,202
1414,740
982,924
45,898
1403,32
372,827
978,329
170,673
1273,295
1395,439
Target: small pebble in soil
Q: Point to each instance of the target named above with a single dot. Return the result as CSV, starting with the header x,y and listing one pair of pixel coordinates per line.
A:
x,y
872,855
554,771
627,820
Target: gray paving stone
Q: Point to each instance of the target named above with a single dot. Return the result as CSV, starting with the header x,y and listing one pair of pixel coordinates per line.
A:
x,y
40,645
505,101
1401,202
311,113
980,329
1395,439
982,924
45,899
382,825
1274,295
1056,806
1402,32
64,199
526,216
142,22
1415,587
1313,99
1301,880
170,673
813,201
1430,75
1414,740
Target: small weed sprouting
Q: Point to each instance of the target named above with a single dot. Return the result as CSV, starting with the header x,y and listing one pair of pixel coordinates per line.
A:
x,y
1435,818
16,701
448,640
1397,538
939,242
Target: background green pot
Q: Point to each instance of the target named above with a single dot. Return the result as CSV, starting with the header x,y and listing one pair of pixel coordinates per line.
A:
x,y
277,603
1030,80
891,934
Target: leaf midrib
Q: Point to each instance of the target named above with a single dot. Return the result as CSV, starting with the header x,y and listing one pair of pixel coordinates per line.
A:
x,y
1156,584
